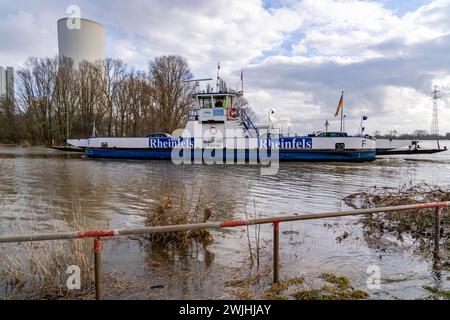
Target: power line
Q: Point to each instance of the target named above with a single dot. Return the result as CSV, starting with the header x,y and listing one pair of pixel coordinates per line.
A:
x,y
435,118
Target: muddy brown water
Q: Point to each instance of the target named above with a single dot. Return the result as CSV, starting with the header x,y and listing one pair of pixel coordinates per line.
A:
x,y
40,188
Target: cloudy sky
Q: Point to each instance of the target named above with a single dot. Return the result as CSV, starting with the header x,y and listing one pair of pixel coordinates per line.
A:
x,y
297,56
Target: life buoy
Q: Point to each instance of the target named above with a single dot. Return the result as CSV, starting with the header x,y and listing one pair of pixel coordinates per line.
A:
x,y
233,113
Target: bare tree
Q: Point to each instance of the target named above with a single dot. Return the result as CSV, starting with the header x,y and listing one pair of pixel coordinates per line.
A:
x,y
91,94
114,72
37,82
56,101
170,92
141,111
9,130
66,98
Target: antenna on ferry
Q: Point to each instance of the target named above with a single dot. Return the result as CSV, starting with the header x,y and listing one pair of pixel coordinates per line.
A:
x,y
218,78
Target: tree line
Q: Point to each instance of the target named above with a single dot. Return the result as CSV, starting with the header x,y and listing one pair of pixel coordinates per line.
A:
x,y
416,134
54,100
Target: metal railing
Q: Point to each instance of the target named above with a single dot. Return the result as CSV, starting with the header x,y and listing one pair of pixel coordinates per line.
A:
x,y
248,123
97,235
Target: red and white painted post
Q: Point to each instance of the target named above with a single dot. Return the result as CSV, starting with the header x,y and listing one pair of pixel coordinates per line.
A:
x,y
437,230
276,251
98,268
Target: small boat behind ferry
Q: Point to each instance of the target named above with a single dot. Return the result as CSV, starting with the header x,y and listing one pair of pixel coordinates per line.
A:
x,y
391,147
219,129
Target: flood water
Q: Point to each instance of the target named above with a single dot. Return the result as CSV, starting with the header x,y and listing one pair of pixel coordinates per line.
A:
x,y
40,188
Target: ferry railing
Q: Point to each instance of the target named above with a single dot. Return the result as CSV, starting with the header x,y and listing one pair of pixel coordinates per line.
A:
x,y
248,122
98,235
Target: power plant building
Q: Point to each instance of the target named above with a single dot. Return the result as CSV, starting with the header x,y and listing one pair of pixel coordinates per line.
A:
x,y
81,40
7,82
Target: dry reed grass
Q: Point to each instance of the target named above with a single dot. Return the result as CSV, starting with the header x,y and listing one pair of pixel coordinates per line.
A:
x,y
175,207
39,269
254,239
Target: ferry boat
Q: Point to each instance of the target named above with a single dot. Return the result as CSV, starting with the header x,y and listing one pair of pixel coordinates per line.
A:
x,y
219,129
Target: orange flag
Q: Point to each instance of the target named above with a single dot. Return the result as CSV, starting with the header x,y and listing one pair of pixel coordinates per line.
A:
x,y
340,105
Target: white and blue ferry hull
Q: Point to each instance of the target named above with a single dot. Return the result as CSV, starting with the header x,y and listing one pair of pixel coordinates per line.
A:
x,y
236,155
349,149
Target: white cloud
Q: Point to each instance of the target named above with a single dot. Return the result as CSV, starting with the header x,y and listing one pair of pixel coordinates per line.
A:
x,y
382,61
234,32
22,33
356,28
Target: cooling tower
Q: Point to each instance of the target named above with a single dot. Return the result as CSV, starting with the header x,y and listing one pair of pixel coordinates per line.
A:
x,y
84,43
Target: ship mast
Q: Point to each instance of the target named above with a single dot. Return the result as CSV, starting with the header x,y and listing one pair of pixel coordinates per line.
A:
x,y
218,78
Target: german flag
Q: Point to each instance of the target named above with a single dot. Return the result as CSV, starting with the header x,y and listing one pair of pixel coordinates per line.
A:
x,y
340,105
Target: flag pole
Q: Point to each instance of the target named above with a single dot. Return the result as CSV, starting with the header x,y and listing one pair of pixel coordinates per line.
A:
x,y
342,112
360,126
242,80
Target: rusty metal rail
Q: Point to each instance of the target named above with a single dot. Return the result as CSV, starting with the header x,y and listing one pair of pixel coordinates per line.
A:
x,y
97,235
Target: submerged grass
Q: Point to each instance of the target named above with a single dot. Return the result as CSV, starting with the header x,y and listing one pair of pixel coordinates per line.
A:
x,y
249,287
417,224
336,288
176,207
437,293
278,290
